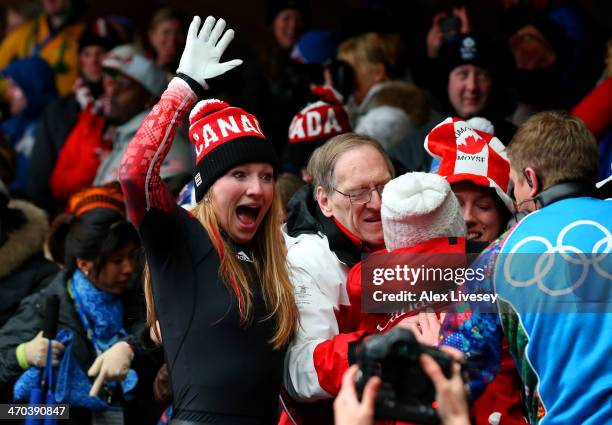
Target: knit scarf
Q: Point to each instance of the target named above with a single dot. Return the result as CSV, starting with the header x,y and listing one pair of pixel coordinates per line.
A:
x,y
101,312
82,92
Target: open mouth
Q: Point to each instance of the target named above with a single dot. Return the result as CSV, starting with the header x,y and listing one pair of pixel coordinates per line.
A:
x,y
473,236
247,215
372,220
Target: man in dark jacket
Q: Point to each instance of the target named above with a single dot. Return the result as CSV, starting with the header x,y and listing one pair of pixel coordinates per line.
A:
x,y
469,73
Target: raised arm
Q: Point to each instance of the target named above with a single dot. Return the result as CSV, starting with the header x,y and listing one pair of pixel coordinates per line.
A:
x,y
141,163
139,171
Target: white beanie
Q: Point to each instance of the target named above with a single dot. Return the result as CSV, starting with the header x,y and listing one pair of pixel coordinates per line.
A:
x,y
417,207
387,125
128,60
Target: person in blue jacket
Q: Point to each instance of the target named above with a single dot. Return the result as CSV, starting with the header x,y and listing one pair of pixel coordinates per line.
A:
x,y
30,87
552,274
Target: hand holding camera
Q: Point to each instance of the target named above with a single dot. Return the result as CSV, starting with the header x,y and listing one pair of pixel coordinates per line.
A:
x,y
420,384
445,26
450,393
347,408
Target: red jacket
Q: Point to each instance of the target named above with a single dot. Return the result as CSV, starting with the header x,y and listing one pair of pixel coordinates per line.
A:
x,y
78,161
595,109
332,357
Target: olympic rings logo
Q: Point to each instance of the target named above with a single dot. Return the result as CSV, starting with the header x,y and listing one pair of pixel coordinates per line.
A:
x,y
545,261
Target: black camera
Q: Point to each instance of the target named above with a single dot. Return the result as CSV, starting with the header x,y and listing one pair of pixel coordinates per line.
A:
x,y
450,26
406,393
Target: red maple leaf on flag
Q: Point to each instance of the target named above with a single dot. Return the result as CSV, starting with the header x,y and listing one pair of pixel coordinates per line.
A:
x,y
472,144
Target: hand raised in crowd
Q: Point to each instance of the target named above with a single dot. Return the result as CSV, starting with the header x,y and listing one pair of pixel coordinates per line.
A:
x,y
112,365
348,410
461,13
435,36
450,393
36,351
203,50
425,326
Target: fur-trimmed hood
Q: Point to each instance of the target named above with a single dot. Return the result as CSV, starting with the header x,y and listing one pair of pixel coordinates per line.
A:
x,y
26,241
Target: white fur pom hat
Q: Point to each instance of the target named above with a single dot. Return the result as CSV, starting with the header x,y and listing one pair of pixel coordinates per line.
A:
x,y
417,207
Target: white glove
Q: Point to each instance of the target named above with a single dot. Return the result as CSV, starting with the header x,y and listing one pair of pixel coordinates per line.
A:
x,y
200,59
36,351
112,365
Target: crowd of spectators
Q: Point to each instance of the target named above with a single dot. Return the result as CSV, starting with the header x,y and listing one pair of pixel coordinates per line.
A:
x,y
388,137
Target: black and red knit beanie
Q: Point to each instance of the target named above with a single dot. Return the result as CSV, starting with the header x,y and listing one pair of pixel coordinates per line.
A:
x,y
323,118
101,32
224,137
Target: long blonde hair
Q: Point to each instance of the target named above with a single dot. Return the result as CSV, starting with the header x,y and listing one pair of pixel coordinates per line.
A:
x,y
270,264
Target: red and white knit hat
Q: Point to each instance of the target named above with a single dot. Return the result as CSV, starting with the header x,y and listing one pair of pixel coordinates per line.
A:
x,y
224,137
468,154
316,124
321,120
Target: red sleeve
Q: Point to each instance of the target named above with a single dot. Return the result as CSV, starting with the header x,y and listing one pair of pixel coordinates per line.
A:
x,y
595,109
331,360
333,357
139,170
353,288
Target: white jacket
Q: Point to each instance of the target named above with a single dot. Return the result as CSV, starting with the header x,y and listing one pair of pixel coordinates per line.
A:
x,y
319,281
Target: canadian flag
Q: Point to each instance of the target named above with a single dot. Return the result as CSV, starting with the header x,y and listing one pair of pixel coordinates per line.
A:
x,y
469,154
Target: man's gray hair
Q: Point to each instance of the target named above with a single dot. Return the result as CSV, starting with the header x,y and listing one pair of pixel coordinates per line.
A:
x,y
322,163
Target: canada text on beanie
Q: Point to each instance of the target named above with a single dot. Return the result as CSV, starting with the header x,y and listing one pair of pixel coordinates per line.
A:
x,y
224,137
314,125
320,120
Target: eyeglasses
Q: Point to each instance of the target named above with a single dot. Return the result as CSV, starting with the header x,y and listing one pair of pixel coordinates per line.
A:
x,y
363,196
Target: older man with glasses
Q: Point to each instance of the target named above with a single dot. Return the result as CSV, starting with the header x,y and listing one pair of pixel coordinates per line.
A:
x,y
330,224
